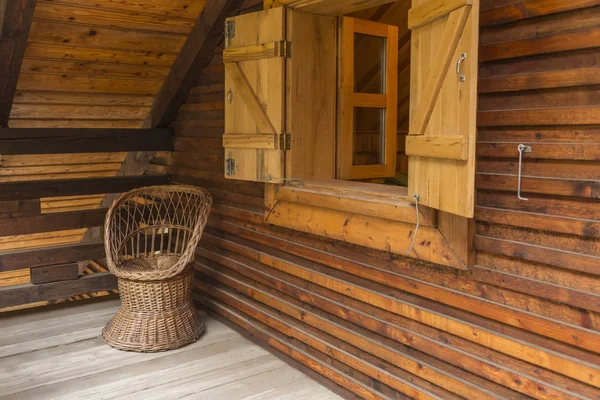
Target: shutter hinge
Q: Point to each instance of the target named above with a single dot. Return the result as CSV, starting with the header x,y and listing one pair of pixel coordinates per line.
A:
x,y
229,32
285,140
229,165
283,49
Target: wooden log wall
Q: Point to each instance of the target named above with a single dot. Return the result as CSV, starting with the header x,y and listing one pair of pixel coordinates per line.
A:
x,y
523,323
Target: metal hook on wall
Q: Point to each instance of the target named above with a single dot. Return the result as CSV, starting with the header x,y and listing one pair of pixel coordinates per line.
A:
x,y
522,149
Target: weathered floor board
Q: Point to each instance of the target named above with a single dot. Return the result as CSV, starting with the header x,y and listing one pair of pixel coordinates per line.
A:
x,y
52,354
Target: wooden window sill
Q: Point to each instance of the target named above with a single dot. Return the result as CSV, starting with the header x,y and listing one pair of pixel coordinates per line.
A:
x,y
372,215
375,200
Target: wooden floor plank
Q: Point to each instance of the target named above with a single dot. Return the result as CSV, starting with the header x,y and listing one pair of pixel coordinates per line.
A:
x,y
249,382
207,385
58,353
11,321
303,389
77,360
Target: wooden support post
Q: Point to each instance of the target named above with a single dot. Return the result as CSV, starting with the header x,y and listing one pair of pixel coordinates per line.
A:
x,y
15,22
196,54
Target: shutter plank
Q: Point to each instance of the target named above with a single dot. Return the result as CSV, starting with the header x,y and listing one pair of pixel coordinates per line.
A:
x,y
249,97
429,12
451,147
258,141
252,52
439,69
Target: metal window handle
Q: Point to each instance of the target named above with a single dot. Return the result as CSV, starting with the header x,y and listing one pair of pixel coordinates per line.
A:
x,y
522,149
462,58
230,96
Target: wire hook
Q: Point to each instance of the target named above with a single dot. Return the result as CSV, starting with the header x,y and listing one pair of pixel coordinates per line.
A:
x,y
416,197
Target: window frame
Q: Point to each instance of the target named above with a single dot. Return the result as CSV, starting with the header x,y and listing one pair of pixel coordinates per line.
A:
x,y
349,99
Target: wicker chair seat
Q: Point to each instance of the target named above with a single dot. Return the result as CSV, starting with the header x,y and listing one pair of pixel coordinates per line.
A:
x,y
149,265
150,237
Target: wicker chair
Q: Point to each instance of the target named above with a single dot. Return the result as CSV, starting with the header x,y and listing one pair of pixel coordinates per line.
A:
x,y
150,237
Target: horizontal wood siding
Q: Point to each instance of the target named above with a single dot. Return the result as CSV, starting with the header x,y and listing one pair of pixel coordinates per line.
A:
x,y
524,323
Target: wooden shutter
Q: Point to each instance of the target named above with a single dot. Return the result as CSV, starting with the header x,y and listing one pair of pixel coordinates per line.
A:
x,y
254,58
442,134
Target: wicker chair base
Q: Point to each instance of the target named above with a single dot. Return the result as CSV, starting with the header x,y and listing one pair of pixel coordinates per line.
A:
x,y
154,315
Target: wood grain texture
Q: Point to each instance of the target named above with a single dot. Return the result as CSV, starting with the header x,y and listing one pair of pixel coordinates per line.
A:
x,y
19,259
30,293
522,324
65,141
194,56
15,23
52,222
223,364
76,187
254,100
326,7
54,273
311,96
452,147
87,64
442,104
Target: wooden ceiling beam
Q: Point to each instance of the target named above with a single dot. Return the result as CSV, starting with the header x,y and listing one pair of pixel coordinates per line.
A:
x,y
326,7
15,22
196,54
83,140
77,187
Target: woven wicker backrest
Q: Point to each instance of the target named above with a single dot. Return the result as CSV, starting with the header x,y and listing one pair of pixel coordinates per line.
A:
x,y
151,233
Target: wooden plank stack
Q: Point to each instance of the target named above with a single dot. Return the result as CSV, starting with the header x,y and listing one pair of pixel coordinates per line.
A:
x,y
52,270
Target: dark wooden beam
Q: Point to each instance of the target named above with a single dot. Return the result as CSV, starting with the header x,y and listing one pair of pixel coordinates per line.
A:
x,y
28,258
19,208
196,54
54,273
15,24
11,296
77,187
56,141
53,222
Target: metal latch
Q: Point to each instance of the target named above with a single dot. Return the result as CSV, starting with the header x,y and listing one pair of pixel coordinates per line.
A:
x,y
283,49
285,141
522,149
229,32
462,58
229,165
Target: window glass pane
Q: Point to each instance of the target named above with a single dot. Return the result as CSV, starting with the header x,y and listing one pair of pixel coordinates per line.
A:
x,y
368,136
369,64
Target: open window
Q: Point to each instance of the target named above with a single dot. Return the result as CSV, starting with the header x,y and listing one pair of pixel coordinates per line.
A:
x,y
368,100
374,114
